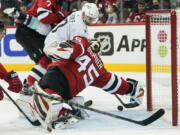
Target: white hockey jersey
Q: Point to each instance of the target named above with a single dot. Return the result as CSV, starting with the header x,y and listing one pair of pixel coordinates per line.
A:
x,y
72,26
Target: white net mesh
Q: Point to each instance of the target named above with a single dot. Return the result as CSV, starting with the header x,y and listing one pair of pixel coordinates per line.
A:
x,y
160,38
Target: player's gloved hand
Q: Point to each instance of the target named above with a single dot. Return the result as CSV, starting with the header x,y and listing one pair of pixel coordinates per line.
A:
x,y
137,91
1,95
12,12
15,84
95,45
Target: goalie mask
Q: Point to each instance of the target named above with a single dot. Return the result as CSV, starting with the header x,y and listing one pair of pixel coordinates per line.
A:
x,y
95,45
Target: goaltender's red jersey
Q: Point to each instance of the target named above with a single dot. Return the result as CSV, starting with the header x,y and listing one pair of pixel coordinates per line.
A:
x,y
83,69
47,11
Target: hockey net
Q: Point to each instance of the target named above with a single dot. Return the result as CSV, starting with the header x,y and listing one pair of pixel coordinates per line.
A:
x,y
163,62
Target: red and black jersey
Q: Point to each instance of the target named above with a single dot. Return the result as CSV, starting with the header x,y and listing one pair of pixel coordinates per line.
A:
x,y
47,11
136,17
85,68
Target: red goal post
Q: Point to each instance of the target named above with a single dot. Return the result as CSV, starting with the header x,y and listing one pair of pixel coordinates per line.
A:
x,y
163,61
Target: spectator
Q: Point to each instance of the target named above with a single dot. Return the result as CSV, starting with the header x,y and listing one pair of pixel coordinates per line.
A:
x,y
154,4
23,7
9,4
102,12
108,2
111,11
119,5
138,15
128,7
70,5
173,4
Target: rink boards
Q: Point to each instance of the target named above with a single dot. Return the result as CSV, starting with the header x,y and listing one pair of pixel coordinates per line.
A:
x,y
123,48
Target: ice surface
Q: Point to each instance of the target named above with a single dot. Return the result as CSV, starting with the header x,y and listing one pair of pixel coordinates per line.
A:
x,y
96,124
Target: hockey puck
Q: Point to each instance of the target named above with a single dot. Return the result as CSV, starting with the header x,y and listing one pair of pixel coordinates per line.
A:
x,y
120,108
88,103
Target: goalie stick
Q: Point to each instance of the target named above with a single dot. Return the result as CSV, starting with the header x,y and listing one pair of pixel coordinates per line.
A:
x,y
143,122
128,105
34,123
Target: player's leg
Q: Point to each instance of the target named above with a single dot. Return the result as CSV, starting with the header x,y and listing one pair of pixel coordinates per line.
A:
x,y
33,43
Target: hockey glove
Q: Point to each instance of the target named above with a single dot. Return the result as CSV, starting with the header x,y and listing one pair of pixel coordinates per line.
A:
x,y
136,93
15,84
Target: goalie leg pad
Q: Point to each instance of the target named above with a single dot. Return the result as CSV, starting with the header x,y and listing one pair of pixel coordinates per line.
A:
x,y
24,103
52,112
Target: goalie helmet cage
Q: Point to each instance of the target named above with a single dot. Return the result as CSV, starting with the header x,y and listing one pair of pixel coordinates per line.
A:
x,y
163,61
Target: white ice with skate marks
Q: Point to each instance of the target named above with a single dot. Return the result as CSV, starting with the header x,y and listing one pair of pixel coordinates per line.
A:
x,y
96,124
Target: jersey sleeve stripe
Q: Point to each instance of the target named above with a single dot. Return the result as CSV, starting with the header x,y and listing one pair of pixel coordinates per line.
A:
x,y
114,84
42,13
110,82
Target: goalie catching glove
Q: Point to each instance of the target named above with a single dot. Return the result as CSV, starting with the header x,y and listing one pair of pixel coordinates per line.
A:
x,y
136,92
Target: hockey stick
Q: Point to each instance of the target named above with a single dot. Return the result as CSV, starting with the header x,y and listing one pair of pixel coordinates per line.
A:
x,y
143,122
128,105
41,121
34,123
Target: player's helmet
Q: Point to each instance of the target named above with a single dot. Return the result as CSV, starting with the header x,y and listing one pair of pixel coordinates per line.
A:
x,y
90,10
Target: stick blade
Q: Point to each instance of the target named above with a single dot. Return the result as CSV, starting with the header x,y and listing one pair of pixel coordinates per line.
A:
x,y
152,118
